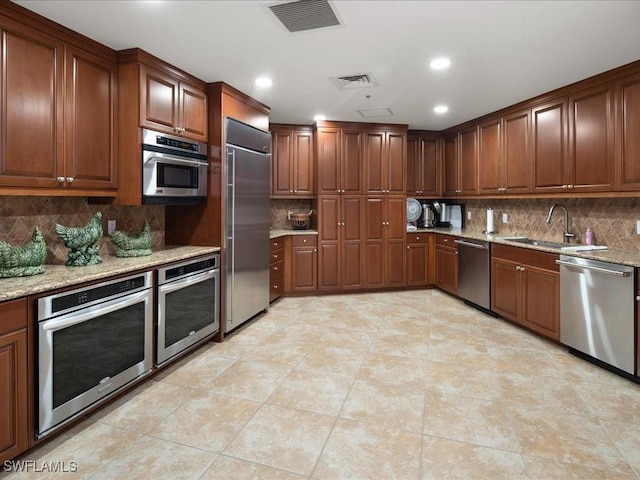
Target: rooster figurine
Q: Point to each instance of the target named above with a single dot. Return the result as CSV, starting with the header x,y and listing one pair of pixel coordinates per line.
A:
x,y
129,245
25,260
81,241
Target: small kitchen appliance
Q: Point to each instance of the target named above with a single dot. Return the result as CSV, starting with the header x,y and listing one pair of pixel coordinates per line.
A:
x,y
414,210
428,218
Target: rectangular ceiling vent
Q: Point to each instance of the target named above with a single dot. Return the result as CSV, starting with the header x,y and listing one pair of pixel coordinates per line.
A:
x,y
356,81
305,15
376,112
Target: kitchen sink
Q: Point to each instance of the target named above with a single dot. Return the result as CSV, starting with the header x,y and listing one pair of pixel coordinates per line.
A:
x,y
536,243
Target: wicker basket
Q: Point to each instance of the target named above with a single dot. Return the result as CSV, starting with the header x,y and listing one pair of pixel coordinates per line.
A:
x,y
300,221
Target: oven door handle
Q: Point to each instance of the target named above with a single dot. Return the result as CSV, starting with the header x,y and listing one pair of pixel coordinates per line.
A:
x,y
186,282
175,159
75,318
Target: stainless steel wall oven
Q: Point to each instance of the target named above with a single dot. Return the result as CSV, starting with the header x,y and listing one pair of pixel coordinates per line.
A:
x,y
188,305
91,341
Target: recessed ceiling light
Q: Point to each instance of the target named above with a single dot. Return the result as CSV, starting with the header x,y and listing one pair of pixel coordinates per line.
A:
x,y
264,82
319,118
440,63
441,109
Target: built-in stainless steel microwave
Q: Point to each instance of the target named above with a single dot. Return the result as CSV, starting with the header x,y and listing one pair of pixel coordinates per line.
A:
x,y
174,170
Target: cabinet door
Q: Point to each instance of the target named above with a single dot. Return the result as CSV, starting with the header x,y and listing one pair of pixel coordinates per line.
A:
x,y
429,168
450,183
352,249
468,162
351,162
31,108
375,225
506,290
628,134
328,151
281,163
490,157
302,163
14,428
304,269
193,113
159,97
90,120
329,227
516,152
591,141
395,232
549,147
417,263
414,165
447,269
541,306
375,163
395,158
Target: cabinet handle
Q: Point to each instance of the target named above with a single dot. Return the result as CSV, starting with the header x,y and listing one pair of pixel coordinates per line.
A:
x,y
295,191
69,179
569,186
60,179
275,268
522,269
517,268
275,287
565,187
638,298
315,249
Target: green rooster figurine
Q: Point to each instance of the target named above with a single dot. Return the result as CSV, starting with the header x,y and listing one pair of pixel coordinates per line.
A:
x,y
81,241
129,245
25,260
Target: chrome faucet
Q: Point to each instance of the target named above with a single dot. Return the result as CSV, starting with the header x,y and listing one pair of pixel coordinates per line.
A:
x,y
567,233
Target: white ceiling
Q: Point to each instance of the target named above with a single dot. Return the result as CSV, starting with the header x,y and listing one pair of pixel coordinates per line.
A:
x,y
502,51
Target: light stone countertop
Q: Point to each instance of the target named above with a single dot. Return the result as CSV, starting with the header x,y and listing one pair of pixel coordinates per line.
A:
x,y
59,276
613,255
284,233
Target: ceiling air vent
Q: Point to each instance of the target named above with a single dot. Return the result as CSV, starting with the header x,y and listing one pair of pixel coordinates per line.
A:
x,y
305,15
355,81
376,112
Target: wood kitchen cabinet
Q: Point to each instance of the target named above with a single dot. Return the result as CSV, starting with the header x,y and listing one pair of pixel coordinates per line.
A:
x,y
549,137
384,242
291,161
422,164
461,163
340,249
637,327
276,268
58,108
171,105
339,160
447,263
301,264
628,133
525,288
384,160
419,262
14,384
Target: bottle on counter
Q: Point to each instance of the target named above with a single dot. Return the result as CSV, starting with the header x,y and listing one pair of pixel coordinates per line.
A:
x,y
588,236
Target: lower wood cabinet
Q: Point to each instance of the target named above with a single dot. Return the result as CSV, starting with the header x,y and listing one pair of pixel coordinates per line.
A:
x,y
525,288
14,385
638,326
301,263
419,263
276,266
447,263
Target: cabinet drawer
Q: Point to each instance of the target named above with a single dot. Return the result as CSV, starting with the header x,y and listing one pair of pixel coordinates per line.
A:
x,y
13,315
303,240
276,285
277,243
418,237
277,268
446,241
276,256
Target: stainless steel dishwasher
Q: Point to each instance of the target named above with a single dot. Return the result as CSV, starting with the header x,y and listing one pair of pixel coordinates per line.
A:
x,y
474,272
597,302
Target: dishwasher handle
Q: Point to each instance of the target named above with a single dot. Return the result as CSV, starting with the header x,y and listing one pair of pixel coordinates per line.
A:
x,y
469,244
596,269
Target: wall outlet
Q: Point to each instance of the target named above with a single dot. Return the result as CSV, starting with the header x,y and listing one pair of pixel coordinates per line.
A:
x,y
469,215
638,227
505,218
111,227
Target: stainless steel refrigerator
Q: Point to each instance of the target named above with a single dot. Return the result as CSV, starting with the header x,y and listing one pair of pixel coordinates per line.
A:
x,y
247,222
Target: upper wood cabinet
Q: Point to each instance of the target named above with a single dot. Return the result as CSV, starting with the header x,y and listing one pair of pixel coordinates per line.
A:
x,y
384,160
628,133
291,161
549,137
422,165
339,157
171,105
58,109
461,163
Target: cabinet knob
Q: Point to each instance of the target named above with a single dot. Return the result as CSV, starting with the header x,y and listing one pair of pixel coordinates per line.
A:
x,y
315,249
304,240
60,179
69,179
565,187
638,298
275,287
275,268
569,187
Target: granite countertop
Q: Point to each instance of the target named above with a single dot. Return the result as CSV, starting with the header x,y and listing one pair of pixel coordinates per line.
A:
x,y
613,255
283,233
59,276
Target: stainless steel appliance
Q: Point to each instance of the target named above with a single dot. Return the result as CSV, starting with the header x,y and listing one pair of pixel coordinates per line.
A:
x,y
174,170
597,303
91,342
188,305
474,272
247,221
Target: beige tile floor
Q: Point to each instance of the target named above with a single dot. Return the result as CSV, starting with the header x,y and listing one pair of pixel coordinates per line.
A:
x,y
401,385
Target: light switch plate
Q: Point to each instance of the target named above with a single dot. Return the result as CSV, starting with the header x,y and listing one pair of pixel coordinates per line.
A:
x,y
111,226
505,218
638,227
469,215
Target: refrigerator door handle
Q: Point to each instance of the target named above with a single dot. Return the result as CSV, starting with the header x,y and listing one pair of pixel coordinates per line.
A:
x,y
231,255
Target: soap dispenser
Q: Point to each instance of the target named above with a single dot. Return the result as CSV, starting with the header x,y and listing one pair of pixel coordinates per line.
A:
x,y
588,236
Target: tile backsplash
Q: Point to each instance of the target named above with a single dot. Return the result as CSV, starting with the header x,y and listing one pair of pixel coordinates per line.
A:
x,y
279,209
20,215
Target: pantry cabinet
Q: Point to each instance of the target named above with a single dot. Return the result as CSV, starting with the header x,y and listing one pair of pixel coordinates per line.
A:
x,y
14,374
384,160
58,109
291,161
525,288
422,164
340,163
